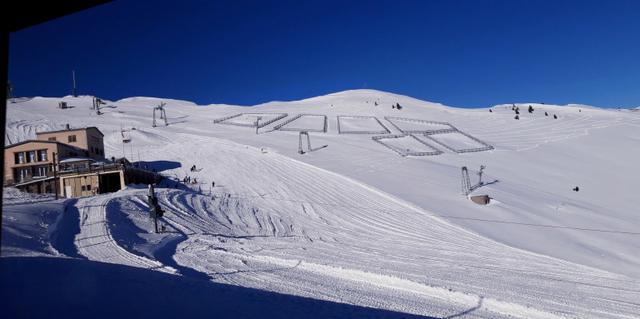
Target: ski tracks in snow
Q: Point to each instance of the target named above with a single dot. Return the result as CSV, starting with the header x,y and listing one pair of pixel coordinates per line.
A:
x,y
95,241
345,238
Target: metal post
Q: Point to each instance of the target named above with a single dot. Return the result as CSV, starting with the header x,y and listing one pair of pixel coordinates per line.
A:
x,y
300,150
466,184
75,92
55,175
155,222
258,123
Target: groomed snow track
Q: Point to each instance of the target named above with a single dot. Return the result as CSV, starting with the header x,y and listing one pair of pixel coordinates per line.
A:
x,y
340,240
95,241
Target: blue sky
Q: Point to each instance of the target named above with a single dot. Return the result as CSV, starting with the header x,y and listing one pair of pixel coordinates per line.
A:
x,y
460,53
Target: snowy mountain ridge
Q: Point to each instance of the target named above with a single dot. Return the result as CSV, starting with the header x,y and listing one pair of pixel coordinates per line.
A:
x,y
364,94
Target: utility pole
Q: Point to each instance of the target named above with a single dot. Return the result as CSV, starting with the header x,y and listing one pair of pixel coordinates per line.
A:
x,y
75,90
258,123
55,175
466,183
155,211
480,175
300,149
96,104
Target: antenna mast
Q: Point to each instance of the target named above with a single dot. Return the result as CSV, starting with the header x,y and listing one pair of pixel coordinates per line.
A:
x,y
75,90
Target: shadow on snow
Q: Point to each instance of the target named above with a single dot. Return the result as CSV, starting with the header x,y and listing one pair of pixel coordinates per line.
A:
x,y
41,287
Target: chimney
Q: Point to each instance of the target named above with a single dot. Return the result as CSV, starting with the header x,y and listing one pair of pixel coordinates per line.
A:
x,y
68,127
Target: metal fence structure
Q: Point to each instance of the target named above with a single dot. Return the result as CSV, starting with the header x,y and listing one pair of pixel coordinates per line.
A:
x,y
259,124
407,152
391,120
484,147
282,126
341,131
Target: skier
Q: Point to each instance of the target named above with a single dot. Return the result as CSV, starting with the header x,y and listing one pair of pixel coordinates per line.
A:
x,y
555,116
213,184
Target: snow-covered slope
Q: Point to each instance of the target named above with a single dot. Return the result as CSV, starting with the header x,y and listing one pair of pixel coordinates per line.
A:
x,y
354,222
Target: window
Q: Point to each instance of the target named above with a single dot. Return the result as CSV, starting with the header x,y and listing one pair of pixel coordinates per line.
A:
x,y
41,171
22,174
42,155
52,139
32,157
19,157
72,138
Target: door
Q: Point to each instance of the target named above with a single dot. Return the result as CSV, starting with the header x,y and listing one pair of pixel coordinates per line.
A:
x,y
68,191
